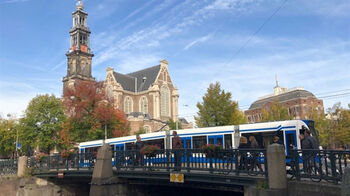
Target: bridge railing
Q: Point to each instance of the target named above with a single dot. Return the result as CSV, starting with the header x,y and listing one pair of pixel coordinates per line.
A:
x,y
236,161
8,166
318,165
57,162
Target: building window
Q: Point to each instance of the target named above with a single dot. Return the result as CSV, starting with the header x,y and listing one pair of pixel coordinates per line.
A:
x,y
144,105
147,129
110,92
128,105
164,101
297,110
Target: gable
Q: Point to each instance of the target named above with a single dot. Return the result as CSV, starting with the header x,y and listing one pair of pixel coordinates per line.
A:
x,y
138,81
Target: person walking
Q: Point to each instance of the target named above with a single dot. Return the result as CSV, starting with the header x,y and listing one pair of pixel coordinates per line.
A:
x,y
243,144
254,162
138,146
177,146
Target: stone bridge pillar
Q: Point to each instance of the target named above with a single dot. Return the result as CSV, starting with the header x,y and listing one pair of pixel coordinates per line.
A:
x,y
276,163
103,182
22,166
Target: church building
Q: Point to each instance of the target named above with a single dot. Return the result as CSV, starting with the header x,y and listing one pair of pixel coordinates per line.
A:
x,y
148,97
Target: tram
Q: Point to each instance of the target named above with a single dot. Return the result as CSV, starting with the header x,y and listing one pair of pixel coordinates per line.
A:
x,y
226,136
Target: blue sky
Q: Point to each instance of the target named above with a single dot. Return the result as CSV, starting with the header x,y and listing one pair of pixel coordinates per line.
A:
x,y
242,44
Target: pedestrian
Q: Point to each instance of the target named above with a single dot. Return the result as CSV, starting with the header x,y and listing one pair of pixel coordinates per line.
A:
x,y
177,146
253,143
255,154
276,140
243,161
138,146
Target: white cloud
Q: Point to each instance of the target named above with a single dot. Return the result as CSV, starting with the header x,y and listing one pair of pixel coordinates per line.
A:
x,y
197,41
13,1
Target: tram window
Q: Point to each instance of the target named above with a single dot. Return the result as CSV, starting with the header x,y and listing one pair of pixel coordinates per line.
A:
x,y
290,140
219,141
158,142
129,146
188,143
199,141
91,150
211,140
228,141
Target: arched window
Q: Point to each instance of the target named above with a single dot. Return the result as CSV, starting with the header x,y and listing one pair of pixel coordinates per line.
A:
x,y
164,101
110,92
127,105
147,129
144,105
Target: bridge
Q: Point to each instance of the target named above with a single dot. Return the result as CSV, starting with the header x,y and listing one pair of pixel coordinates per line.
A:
x,y
225,170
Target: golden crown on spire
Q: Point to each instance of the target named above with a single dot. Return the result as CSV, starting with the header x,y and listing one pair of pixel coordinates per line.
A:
x,y
80,5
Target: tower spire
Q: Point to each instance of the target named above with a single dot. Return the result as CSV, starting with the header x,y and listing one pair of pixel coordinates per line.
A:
x,y
80,5
276,80
79,54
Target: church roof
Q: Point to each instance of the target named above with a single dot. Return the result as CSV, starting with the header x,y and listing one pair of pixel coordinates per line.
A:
x,y
282,97
141,80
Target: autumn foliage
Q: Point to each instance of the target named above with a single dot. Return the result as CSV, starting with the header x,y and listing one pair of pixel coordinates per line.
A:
x,y
89,112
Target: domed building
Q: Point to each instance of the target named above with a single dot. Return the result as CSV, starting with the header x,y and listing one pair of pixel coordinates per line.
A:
x,y
298,101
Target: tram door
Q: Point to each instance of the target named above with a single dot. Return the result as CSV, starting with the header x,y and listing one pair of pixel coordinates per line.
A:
x,y
215,139
117,154
187,144
290,140
119,147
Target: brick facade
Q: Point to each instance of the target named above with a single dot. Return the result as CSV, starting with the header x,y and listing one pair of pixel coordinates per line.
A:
x,y
298,102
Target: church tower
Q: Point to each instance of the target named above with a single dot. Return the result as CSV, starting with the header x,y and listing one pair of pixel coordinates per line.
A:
x,y
79,55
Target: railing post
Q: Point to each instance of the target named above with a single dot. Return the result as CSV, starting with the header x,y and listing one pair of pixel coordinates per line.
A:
x,y
188,153
211,170
236,157
168,158
297,166
49,162
333,167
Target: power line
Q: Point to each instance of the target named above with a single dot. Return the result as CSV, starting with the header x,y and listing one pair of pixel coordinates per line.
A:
x,y
335,95
257,31
329,92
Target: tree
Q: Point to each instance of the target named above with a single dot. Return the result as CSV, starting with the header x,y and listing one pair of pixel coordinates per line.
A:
x,y
275,112
90,112
217,109
8,130
172,124
334,131
42,122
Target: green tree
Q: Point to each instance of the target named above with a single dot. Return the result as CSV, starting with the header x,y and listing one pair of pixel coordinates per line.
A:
x,y
8,131
334,131
42,122
172,124
217,109
275,112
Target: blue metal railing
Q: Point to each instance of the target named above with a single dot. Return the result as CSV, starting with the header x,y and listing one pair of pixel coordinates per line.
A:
x,y
242,161
8,166
318,165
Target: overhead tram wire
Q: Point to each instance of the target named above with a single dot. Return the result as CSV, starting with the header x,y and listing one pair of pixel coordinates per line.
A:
x,y
256,32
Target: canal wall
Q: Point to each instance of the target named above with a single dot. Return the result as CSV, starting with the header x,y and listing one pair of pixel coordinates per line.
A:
x,y
31,186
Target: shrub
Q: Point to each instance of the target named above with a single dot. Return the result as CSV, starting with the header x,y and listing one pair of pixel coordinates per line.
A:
x,y
66,154
40,156
149,150
211,149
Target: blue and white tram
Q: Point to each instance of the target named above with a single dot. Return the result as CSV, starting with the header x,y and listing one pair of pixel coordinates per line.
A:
x,y
227,136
